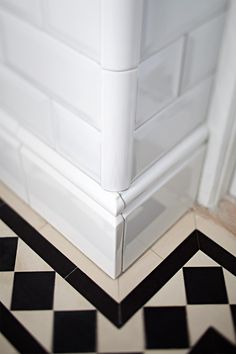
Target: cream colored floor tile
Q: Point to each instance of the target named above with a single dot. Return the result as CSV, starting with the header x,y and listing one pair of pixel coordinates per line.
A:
x,y
28,260
6,347
217,233
39,324
200,259
81,261
167,351
6,284
171,294
137,272
201,317
128,338
5,231
21,207
174,236
230,281
67,298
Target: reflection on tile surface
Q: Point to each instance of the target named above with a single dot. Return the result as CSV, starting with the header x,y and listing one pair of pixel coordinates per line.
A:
x,y
184,304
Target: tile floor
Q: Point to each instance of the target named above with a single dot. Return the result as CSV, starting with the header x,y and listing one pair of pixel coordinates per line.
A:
x,y
179,297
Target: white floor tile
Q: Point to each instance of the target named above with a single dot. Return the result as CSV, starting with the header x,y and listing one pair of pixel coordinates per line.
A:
x,y
6,347
67,298
6,281
39,324
201,317
200,259
28,260
230,281
5,231
128,338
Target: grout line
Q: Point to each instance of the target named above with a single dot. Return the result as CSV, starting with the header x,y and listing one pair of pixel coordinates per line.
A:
x,y
70,273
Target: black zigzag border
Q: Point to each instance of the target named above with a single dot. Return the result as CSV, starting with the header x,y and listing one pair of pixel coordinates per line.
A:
x,y
117,313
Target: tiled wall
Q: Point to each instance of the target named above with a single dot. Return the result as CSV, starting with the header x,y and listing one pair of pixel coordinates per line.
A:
x,y
51,74
180,47
48,82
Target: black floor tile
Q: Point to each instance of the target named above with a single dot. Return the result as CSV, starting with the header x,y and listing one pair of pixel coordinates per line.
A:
x,y
166,327
233,311
33,291
8,247
205,285
212,342
74,331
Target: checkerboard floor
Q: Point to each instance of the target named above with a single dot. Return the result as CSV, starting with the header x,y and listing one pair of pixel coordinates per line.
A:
x,y
185,304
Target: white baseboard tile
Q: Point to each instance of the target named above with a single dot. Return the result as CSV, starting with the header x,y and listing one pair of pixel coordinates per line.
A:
x,y
112,229
85,223
173,195
10,163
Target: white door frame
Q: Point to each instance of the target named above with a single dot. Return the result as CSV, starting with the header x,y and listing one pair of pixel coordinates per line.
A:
x,y
221,151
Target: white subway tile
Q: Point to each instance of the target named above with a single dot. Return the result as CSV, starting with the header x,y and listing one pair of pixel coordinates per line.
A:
x,y
165,20
27,104
78,21
158,81
11,172
1,41
67,74
202,49
8,123
30,9
78,141
161,133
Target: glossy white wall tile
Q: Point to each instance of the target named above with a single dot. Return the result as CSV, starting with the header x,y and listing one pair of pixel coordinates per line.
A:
x,y
28,9
158,81
11,172
77,140
73,213
78,22
166,20
174,193
1,42
53,65
161,133
202,49
27,104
